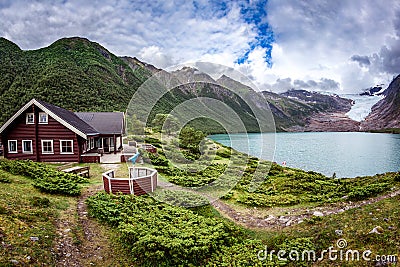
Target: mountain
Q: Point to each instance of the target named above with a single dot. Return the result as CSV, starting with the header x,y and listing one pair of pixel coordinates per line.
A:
x,y
81,75
386,113
375,90
73,73
301,110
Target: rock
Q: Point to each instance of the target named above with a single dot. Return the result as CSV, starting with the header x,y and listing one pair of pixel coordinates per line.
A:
x,y
377,230
282,219
340,210
386,219
15,262
299,221
34,238
391,228
345,197
270,217
289,223
67,230
339,232
318,213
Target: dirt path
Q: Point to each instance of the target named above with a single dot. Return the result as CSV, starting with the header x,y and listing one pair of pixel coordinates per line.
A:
x,y
78,242
251,220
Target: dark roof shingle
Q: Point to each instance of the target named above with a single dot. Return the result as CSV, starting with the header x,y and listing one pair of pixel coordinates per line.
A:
x,y
104,122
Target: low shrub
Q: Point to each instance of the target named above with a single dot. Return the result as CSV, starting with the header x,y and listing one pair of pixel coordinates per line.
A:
x,y
4,177
42,202
362,192
397,177
45,178
158,234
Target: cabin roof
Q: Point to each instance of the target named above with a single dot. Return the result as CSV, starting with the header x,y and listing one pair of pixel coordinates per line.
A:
x,y
104,122
67,118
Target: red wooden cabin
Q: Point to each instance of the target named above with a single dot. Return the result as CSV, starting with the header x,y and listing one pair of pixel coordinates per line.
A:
x,y
40,131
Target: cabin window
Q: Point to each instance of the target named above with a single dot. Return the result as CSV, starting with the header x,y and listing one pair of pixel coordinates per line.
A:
x,y
47,147
12,146
91,143
100,143
66,146
43,118
30,118
27,146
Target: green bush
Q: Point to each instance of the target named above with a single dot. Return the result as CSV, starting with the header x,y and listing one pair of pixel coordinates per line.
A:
x,y
45,178
158,234
4,177
397,177
42,202
371,190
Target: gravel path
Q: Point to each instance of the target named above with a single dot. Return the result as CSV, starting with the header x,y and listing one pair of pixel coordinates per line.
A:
x,y
254,221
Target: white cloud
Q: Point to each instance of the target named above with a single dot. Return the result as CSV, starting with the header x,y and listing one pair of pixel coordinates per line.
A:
x,y
315,41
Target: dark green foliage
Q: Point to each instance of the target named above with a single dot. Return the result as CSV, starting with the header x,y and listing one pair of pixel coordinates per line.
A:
x,y
166,122
397,177
195,178
72,73
158,160
44,178
362,192
151,140
224,153
285,186
190,138
4,177
161,235
42,202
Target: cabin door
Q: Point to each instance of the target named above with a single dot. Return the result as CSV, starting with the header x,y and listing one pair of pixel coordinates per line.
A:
x,y
106,145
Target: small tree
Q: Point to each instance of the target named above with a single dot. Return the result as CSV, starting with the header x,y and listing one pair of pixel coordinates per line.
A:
x,y
134,126
191,138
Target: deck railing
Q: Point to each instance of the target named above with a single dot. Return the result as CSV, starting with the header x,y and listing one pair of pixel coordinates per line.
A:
x,y
141,181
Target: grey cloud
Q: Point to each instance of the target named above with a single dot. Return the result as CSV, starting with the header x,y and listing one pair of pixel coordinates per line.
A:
x,y
363,61
387,60
323,84
328,84
281,85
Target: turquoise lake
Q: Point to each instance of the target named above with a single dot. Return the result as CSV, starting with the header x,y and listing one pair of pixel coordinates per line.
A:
x,y
346,154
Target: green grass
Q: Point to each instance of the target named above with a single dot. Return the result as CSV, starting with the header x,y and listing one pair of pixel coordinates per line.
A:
x,y
355,224
26,213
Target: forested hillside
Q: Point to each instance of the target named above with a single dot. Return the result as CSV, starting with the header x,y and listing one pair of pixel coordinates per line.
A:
x,y
73,73
81,75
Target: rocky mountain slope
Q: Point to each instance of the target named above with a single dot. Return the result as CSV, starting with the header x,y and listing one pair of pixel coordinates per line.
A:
x,y
78,74
386,113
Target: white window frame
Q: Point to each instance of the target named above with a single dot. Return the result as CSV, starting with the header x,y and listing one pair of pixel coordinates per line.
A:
x,y
27,118
52,146
72,146
23,147
16,146
40,117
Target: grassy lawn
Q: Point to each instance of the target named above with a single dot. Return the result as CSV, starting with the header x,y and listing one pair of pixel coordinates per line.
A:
x,y
27,221
30,223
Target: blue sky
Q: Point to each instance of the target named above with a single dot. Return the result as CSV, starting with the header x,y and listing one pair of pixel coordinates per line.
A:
x,y
341,46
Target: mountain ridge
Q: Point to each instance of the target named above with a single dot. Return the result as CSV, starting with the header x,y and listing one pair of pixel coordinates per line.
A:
x,y
79,74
